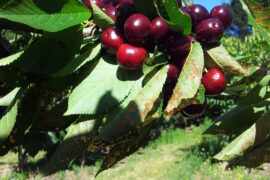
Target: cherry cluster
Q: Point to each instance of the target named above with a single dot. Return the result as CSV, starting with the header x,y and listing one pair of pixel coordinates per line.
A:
x,y
134,35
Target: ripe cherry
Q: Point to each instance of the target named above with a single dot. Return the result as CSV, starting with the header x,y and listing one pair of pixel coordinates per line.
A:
x,y
131,57
179,2
159,28
185,10
197,13
223,14
209,31
110,11
137,28
97,2
177,44
118,2
194,110
173,73
111,40
124,11
214,82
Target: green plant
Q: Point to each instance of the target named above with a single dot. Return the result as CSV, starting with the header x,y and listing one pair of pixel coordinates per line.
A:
x,y
69,97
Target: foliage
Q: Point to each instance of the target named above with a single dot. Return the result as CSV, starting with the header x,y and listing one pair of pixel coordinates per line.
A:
x,y
70,90
249,120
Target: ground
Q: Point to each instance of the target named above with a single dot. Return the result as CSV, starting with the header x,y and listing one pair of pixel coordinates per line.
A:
x,y
178,154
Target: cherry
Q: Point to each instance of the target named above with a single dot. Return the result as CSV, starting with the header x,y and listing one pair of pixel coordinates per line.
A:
x,y
177,44
131,57
111,40
194,110
137,28
179,2
159,28
110,11
124,11
173,73
97,2
197,13
214,82
118,2
209,31
185,10
180,61
223,14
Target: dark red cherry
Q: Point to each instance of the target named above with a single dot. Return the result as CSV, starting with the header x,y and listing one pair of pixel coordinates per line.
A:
x,y
223,14
159,28
110,11
177,44
180,61
131,57
97,2
197,13
111,40
173,73
194,110
179,2
214,81
137,28
118,2
123,12
185,10
209,31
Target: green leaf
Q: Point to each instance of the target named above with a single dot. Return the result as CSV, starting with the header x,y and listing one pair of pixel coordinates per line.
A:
x,y
105,87
234,121
219,57
7,99
101,18
26,113
74,143
255,135
10,59
151,63
90,54
189,81
49,15
146,7
253,22
51,52
138,113
169,11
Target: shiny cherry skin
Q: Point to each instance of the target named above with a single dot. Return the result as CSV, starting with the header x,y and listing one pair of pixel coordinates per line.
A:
x,y
209,31
159,28
197,13
110,11
223,14
111,40
97,2
137,29
173,73
177,44
123,12
194,110
131,57
214,81
118,2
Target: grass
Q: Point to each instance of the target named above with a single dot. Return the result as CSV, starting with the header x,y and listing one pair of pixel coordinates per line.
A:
x,y
178,154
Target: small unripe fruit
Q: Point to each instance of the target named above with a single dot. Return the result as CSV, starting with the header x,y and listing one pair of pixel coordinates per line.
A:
x,y
209,31
131,57
173,73
123,12
223,14
111,40
97,2
197,13
214,82
137,28
159,28
110,11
